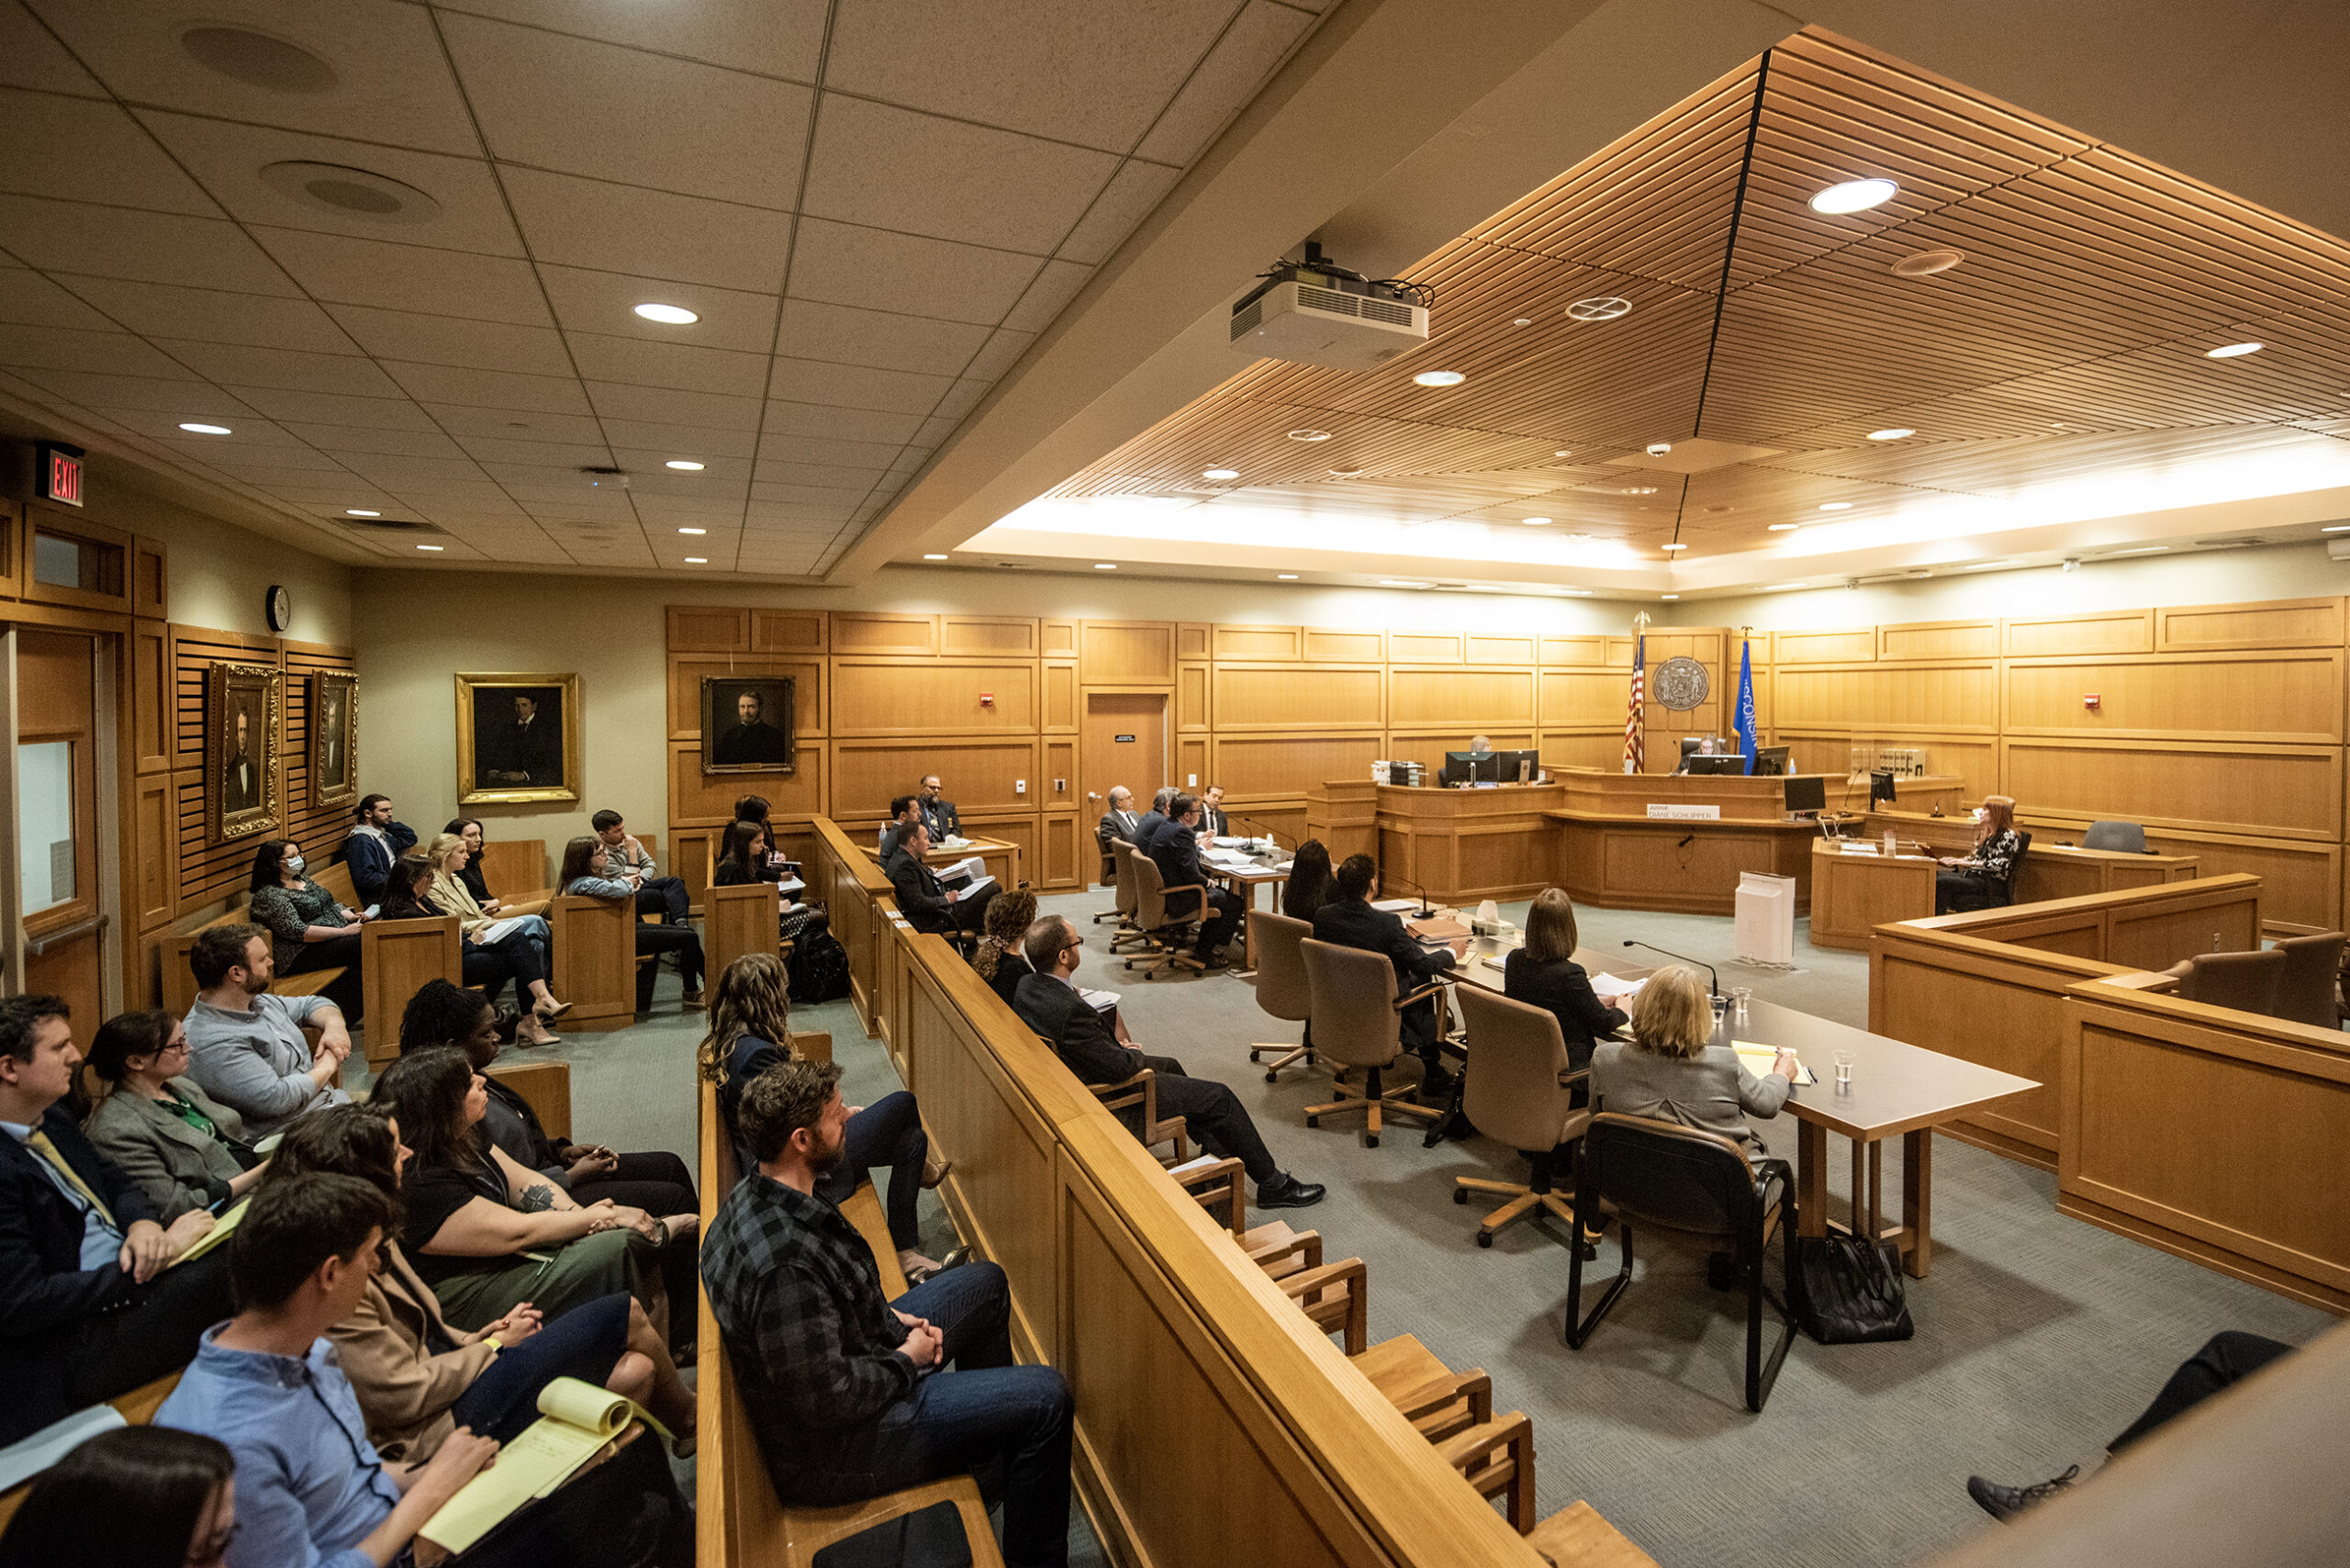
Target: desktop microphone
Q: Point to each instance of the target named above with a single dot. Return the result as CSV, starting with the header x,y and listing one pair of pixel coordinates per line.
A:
x,y
1254,822
1713,979
1425,910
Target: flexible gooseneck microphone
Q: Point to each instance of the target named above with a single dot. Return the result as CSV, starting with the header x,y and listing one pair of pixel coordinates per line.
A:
x,y
1255,822
1712,978
1414,887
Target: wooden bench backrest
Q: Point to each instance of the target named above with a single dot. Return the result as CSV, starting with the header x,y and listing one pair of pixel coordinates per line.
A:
x,y
595,960
740,920
514,867
396,958
737,1518
544,1084
177,988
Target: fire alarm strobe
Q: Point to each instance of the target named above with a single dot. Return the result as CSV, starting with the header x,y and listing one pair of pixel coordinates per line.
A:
x,y
1315,312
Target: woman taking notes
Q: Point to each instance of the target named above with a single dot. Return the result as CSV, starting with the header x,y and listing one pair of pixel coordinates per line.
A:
x,y
1673,1072
1980,880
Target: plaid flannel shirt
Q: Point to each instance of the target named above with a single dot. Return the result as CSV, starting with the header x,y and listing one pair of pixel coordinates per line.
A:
x,y
812,1339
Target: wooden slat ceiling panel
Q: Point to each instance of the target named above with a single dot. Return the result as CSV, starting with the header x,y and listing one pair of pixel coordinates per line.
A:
x,y
2069,344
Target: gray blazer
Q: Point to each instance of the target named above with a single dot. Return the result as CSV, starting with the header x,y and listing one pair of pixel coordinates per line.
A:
x,y
1711,1091
177,1167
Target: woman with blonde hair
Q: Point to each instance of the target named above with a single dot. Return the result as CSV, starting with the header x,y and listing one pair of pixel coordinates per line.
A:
x,y
1980,880
1544,974
1672,1072
521,940
998,957
750,1031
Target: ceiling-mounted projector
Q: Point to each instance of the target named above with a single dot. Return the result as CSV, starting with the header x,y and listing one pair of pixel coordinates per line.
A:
x,y
1312,312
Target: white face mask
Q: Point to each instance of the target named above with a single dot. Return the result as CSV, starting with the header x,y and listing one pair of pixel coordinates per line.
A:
x,y
294,864
1979,813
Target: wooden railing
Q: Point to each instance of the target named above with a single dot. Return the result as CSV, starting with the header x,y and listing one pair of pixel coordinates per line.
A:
x,y
856,894
1989,987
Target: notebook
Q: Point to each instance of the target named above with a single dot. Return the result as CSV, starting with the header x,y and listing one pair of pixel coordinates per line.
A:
x,y
222,1229
1396,906
1758,1058
576,1419
1438,928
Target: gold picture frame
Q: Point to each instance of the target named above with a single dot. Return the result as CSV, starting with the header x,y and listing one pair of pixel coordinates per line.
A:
x,y
334,738
244,716
747,723
518,738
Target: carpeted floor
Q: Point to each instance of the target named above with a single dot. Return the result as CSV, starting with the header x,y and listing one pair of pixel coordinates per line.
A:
x,y
2038,1338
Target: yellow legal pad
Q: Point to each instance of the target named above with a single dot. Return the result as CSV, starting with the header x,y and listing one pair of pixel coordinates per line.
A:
x,y
1759,1058
576,1419
222,1229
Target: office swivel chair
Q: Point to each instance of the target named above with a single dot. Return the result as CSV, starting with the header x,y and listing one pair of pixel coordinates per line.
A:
x,y
2127,837
2246,982
1358,1021
1661,1173
1518,1091
1166,935
2306,990
1283,990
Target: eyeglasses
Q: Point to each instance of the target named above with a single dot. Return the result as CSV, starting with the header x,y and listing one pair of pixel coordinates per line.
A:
x,y
1074,943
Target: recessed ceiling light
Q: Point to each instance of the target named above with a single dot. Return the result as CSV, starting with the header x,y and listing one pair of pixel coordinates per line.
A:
x,y
1835,506
1676,545
1785,527
697,560
1669,595
933,557
1564,452
1400,582
1599,308
1439,378
667,315
1721,509
1894,433
1105,566
2140,550
2233,351
1536,521
1782,587
1523,321
429,547
1926,263
355,511
1987,565
1855,196
1285,576
1309,435
1574,593
2335,528
683,465
1219,473
195,429
693,531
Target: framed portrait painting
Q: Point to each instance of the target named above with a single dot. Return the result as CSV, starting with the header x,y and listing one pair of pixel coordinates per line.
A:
x,y
334,738
746,724
242,724
518,738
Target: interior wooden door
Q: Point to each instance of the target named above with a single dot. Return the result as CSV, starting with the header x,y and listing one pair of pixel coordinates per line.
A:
x,y
1124,743
56,830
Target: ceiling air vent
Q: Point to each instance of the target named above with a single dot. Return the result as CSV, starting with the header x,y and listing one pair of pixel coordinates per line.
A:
x,y
388,525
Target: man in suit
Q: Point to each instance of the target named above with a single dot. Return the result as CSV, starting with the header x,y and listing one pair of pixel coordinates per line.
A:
x,y
903,814
1213,822
1348,921
526,752
1147,825
1049,1002
1119,823
752,741
87,1310
1175,850
331,762
923,900
240,776
937,813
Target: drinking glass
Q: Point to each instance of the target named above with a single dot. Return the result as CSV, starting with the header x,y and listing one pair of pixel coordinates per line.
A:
x,y
1844,1070
1740,995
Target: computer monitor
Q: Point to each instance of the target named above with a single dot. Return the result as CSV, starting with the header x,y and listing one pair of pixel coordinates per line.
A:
x,y
1467,766
1508,767
1806,793
1770,760
1880,788
1733,762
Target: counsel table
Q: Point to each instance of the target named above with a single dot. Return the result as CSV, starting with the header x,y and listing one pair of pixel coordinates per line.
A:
x,y
1898,1090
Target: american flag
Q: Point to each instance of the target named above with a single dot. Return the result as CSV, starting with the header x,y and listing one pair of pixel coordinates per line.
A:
x,y
1635,750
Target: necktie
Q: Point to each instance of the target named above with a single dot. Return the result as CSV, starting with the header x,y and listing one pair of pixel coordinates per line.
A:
x,y
39,1143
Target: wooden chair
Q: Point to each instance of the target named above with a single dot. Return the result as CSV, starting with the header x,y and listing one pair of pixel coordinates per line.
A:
x,y
1518,1092
1282,989
396,958
1140,1095
1164,935
737,1517
1334,1298
1577,1535
594,962
1437,1401
1358,1021
1661,1173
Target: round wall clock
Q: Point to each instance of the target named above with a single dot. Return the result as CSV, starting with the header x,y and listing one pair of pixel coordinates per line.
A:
x,y
1681,683
279,604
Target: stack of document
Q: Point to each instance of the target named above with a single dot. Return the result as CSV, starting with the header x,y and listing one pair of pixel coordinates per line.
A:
x,y
1614,991
1396,906
1235,859
1099,1001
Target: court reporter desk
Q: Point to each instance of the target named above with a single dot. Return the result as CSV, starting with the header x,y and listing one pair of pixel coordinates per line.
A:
x,y
1854,892
1680,842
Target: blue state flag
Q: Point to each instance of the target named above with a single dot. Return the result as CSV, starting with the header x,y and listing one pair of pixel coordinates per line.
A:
x,y
1745,737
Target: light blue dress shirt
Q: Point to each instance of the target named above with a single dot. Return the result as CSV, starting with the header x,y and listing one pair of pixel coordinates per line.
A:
x,y
310,1486
100,1242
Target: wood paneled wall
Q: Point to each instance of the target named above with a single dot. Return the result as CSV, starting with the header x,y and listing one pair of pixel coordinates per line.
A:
x,y
2221,728
1268,711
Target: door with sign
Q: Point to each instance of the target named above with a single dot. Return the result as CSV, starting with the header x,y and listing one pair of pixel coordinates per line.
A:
x,y
1125,741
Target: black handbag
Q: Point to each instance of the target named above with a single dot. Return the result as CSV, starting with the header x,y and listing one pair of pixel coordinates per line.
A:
x,y
1845,1291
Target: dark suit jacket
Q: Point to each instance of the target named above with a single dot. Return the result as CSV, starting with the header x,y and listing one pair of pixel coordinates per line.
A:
x,y
1176,850
891,850
920,898
1215,820
750,743
1147,828
1352,923
1110,827
42,1282
942,818
533,748
1080,1033
1563,988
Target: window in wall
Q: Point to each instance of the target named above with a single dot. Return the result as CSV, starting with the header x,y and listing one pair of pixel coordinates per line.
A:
x,y
61,560
44,823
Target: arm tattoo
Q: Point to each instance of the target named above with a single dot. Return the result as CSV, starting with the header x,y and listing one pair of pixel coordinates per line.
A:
x,y
537,1198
